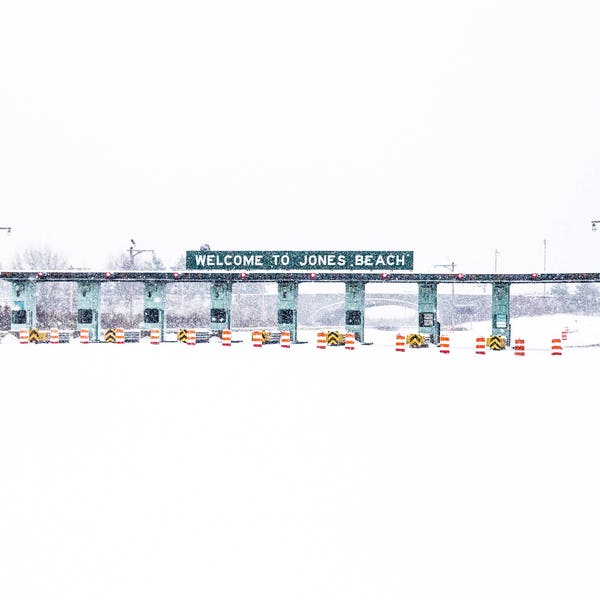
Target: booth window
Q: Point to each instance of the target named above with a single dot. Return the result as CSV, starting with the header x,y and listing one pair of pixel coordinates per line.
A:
x,y
285,316
19,317
151,315
85,315
218,315
353,317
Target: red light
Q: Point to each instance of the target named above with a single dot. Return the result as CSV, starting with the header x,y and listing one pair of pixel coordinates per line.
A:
x,y
385,276
176,275
313,275
107,274
534,276
40,274
243,275
459,276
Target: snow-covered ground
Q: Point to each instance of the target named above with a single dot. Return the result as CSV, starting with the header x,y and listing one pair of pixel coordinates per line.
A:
x,y
170,471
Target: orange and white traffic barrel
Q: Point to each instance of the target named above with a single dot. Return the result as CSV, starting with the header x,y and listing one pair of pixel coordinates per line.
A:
x,y
350,340
226,337
120,335
480,345
257,340
400,342
155,337
190,338
556,348
321,340
23,336
285,339
519,347
84,336
444,344
54,335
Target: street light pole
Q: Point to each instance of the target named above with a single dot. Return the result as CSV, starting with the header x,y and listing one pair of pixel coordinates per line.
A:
x,y
451,268
133,252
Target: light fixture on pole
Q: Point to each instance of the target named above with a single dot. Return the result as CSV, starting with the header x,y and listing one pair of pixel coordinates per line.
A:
x,y
595,225
133,252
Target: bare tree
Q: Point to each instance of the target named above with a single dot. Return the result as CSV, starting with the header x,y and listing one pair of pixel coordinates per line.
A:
x,y
55,300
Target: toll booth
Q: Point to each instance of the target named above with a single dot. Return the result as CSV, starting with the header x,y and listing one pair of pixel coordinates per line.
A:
x,y
287,308
501,310
427,307
154,307
88,308
355,309
22,314
220,305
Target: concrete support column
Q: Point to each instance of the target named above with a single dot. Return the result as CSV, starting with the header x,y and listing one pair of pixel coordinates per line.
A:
x,y
355,309
88,308
428,323
287,308
154,306
501,310
220,305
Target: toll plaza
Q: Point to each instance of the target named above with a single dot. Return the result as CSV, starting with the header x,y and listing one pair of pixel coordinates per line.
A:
x,y
285,268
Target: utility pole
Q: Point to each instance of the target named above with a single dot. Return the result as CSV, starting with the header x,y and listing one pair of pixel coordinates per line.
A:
x,y
451,266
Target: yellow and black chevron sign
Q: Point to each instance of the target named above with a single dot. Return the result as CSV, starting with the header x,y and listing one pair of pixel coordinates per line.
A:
x,y
496,342
335,338
34,336
415,340
182,336
265,336
110,336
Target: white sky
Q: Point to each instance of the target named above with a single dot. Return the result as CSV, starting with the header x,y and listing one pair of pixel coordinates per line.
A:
x,y
449,128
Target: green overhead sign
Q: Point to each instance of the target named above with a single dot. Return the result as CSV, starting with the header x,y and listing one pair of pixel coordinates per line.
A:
x,y
299,260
